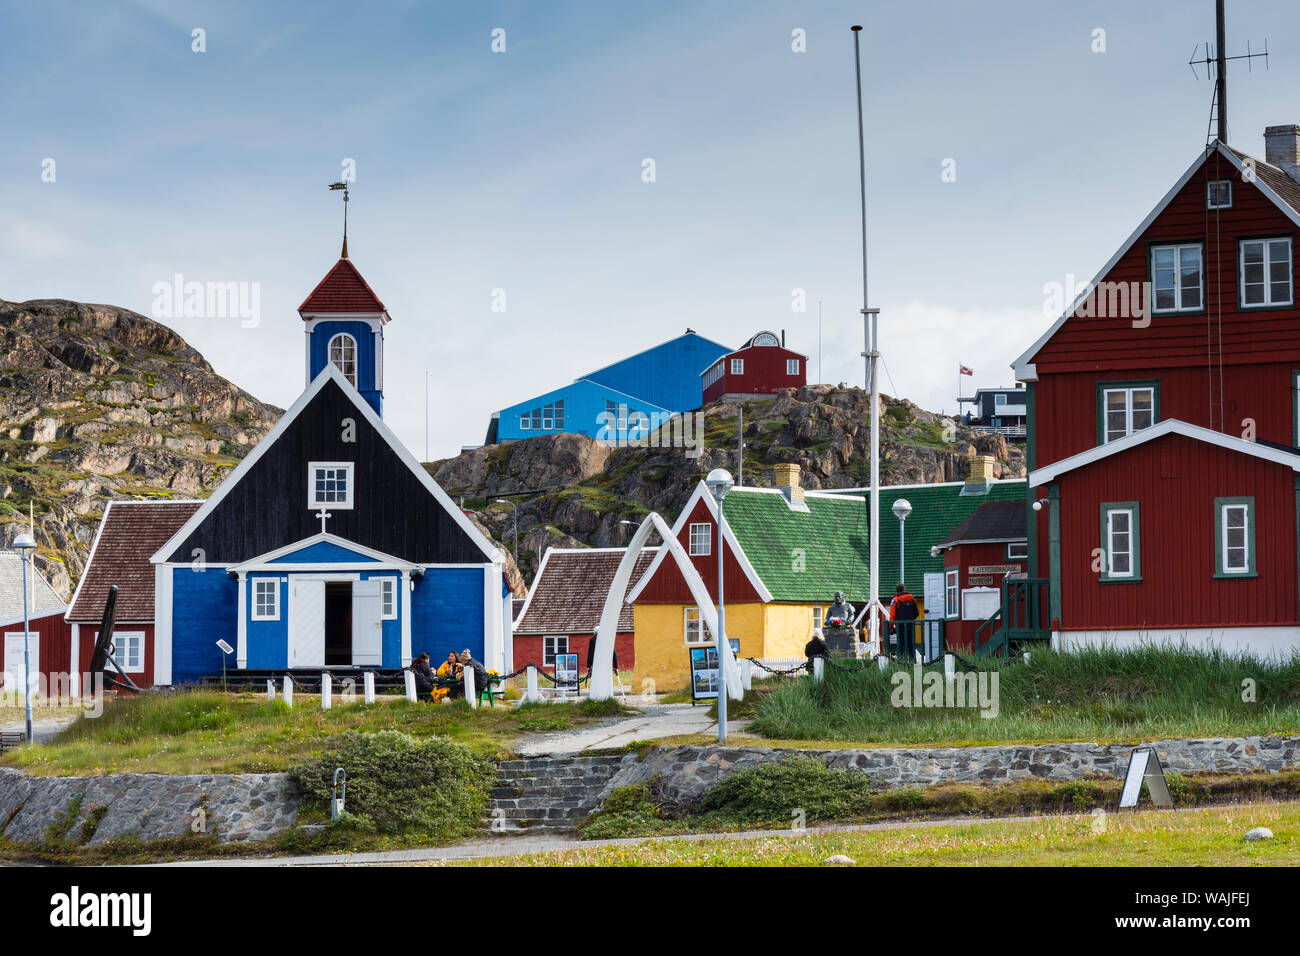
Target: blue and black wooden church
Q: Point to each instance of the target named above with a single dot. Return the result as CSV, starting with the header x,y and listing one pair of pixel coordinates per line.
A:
x,y
329,546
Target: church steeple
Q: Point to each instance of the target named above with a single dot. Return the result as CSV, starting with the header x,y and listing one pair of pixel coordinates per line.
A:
x,y
345,327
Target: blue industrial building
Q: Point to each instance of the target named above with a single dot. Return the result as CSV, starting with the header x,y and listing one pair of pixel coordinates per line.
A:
x,y
619,402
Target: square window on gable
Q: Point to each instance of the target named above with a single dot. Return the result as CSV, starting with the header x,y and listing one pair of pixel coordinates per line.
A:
x,y
701,538
1218,194
330,484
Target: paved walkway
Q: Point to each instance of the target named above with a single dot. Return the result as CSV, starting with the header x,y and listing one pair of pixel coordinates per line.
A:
x,y
44,727
652,723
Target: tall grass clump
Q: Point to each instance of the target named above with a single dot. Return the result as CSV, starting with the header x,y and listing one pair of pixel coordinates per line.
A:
x,y
1098,693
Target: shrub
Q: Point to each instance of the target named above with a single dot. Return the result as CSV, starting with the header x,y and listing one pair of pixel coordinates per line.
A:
x,y
398,783
627,810
771,792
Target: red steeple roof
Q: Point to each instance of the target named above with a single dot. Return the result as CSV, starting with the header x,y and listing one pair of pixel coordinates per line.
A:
x,y
342,290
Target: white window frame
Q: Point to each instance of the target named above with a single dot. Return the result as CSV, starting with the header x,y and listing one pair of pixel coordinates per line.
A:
x,y
1178,305
700,546
1209,194
133,639
552,641
1266,245
350,479
791,366
1021,553
1127,391
259,586
951,593
696,625
355,357
526,422
387,592
1132,551
738,366
818,617
999,398
1223,568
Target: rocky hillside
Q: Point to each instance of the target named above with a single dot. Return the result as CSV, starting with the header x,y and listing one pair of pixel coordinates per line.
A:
x,y
583,491
98,402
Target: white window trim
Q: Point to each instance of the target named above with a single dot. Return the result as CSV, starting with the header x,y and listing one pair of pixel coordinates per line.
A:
x,y
1178,284
700,628
526,422
1110,544
355,379
118,637
315,505
791,366
1268,302
386,585
818,617
254,582
1022,552
738,366
1228,569
557,650
952,593
706,548
1209,187
1127,391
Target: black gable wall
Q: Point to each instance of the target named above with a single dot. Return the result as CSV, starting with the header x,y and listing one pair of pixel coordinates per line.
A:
x,y
393,513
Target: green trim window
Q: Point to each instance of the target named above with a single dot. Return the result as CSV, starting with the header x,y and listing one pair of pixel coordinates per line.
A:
x,y
951,588
1264,272
1121,541
1126,407
1295,408
1176,278
1218,194
1234,537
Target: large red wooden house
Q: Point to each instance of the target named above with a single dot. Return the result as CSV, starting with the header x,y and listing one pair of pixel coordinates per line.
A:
x,y
759,368
1164,417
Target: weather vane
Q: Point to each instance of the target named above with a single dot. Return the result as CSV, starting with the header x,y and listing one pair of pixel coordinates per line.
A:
x,y
344,187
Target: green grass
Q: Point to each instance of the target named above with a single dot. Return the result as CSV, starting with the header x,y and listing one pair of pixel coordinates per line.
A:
x,y
205,731
1202,837
1103,695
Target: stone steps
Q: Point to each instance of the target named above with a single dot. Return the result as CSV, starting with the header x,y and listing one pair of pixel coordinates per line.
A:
x,y
554,793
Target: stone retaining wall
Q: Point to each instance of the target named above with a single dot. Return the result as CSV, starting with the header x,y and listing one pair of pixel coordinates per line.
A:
x,y
148,806
686,772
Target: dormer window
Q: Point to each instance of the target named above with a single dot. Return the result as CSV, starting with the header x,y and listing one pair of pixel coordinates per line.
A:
x,y
343,356
330,484
1218,194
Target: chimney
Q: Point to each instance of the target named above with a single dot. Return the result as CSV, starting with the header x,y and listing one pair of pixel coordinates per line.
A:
x,y
980,476
1282,148
787,480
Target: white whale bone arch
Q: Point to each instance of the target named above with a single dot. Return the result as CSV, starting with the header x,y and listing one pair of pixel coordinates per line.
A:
x,y
602,668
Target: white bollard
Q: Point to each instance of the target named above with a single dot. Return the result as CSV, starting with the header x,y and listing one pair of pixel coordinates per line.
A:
x,y
410,686
470,694
819,668
1026,657
368,686
532,683
949,666
882,662
288,690
326,691
747,673
270,689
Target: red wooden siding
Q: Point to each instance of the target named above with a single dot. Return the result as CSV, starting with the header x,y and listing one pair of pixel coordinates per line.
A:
x,y
88,634
764,373
528,650
1175,480
55,637
669,587
959,633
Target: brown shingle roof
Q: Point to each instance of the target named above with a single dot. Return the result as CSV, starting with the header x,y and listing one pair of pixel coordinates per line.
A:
x,y
1286,188
342,290
570,591
992,521
128,536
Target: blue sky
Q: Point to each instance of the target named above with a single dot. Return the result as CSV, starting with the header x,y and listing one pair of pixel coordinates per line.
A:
x,y
521,171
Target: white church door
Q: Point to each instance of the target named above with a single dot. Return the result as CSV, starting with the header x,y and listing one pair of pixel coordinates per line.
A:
x,y
306,623
15,673
367,629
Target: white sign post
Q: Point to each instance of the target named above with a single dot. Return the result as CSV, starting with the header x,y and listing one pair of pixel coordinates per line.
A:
x,y
1144,764
470,692
368,686
288,690
326,691
410,686
270,689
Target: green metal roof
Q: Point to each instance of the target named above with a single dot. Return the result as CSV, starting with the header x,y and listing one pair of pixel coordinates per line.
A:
x,y
834,534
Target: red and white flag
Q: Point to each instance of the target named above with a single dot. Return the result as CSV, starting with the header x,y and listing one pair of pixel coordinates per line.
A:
x,y
965,370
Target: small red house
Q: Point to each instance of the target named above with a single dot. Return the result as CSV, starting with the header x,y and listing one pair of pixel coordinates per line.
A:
x,y
129,534
759,368
564,605
978,554
49,634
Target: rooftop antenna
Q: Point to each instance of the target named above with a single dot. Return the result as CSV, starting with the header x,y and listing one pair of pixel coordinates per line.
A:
x,y
344,187
1216,56
870,329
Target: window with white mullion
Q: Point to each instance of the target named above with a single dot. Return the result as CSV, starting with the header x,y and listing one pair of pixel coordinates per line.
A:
x,y
1235,537
266,599
1264,272
1177,278
1121,541
693,626
1128,410
552,646
701,538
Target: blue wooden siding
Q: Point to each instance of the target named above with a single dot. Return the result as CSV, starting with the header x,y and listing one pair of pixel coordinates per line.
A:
x,y
323,331
268,641
667,375
325,552
447,612
584,406
205,609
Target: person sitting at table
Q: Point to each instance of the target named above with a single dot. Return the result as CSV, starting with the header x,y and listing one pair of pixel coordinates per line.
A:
x,y
423,674
449,671
480,672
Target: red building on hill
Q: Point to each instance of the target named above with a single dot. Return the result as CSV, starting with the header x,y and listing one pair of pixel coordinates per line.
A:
x,y
1164,410
759,368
